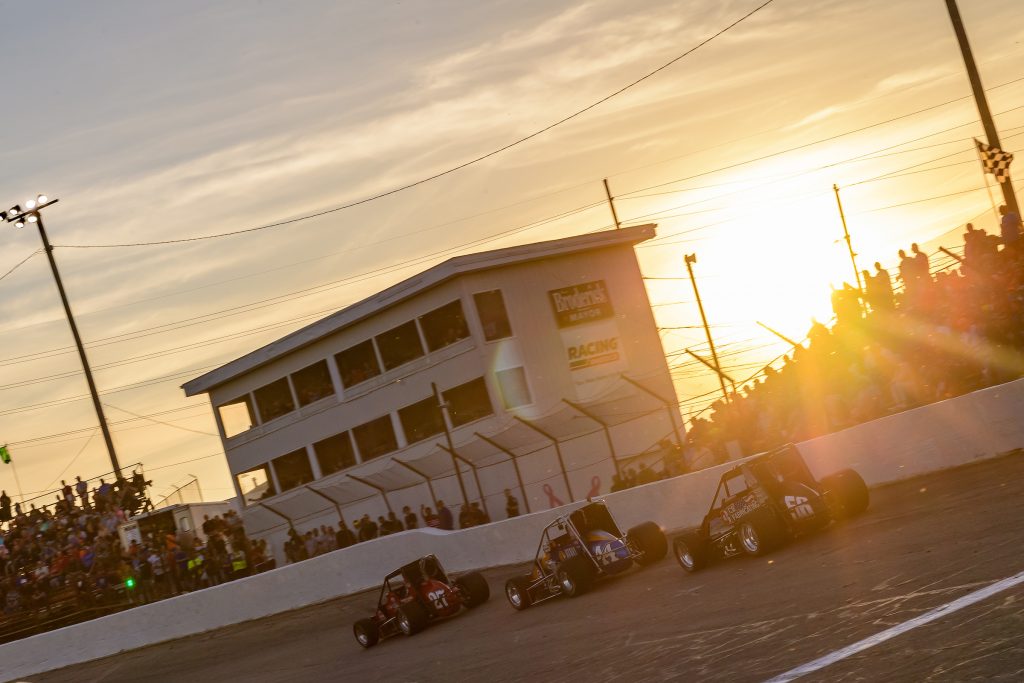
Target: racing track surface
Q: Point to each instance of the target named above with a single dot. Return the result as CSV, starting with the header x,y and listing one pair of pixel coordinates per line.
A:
x,y
922,544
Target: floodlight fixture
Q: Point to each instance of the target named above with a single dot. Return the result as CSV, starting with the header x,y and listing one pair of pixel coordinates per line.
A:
x,y
32,218
30,204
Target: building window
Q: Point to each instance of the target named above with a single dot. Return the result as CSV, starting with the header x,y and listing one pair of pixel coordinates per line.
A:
x,y
274,400
399,345
375,438
490,307
357,364
293,469
236,416
468,402
421,420
515,391
444,326
313,383
335,453
256,485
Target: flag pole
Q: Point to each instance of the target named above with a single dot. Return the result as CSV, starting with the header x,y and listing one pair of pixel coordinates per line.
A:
x,y
17,484
1009,197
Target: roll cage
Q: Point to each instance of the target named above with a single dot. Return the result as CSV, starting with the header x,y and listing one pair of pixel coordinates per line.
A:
x,y
412,574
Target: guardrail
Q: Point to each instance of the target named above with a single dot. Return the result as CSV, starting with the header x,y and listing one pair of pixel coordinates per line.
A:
x,y
940,436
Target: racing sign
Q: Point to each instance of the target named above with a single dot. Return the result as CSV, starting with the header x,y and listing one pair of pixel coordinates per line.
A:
x,y
595,357
580,304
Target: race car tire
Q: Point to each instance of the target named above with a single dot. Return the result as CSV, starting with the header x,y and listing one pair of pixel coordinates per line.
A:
x,y
761,533
691,552
849,490
517,590
575,576
366,632
474,589
650,541
412,618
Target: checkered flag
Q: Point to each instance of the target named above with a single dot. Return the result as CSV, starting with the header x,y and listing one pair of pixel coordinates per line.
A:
x,y
994,161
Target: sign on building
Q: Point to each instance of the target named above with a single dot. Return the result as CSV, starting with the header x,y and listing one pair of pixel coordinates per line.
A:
x,y
581,303
590,336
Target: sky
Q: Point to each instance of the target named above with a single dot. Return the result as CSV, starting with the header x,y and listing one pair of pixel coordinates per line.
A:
x,y
167,121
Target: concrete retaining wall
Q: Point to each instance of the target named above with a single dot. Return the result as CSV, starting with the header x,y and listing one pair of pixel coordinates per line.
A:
x,y
936,437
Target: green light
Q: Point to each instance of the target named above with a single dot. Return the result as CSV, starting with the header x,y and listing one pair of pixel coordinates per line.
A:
x,y
129,583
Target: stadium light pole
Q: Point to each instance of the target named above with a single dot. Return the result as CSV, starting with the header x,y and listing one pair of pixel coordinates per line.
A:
x,y
30,213
1009,196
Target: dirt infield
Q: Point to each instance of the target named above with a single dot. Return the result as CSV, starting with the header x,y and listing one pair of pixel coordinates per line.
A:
x,y
922,544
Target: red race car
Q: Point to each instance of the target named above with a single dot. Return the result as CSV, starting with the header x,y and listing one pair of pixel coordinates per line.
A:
x,y
416,594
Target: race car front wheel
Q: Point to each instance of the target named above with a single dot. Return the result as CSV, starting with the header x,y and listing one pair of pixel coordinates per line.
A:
x,y
690,552
366,632
517,590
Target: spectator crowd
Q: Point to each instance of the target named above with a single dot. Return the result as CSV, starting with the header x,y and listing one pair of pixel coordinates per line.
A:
x,y
65,561
936,336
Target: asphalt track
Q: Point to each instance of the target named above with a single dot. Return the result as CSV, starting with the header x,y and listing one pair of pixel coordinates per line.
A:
x,y
922,544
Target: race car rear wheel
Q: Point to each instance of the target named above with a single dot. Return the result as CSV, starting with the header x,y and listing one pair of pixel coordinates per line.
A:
x,y
691,552
650,540
517,590
473,589
849,490
366,632
412,618
575,576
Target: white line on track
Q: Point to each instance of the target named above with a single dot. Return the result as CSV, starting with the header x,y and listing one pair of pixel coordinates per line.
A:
x,y
927,617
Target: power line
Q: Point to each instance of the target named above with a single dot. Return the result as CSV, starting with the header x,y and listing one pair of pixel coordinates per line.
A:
x,y
20,263
161,422
448,171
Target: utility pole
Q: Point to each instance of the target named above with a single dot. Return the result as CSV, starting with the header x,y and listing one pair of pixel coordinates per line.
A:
x,y
690,259
442,407
1009,196
31,214
849,244
611,203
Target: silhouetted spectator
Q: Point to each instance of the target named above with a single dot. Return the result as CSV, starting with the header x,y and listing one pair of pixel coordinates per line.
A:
x,y
511,505
409,517
344,536
1009,227
445,515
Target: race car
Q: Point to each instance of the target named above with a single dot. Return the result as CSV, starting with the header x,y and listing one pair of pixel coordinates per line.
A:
x,y
766,501
416,594
579,548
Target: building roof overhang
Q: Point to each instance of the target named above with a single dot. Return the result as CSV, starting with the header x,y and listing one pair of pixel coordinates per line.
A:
x,y
410,287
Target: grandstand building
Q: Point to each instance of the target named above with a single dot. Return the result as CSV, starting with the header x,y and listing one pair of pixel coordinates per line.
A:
x,y
535,368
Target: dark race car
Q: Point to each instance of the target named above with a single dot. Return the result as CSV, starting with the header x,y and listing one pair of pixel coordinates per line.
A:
x,y
417,594
577,549
766,501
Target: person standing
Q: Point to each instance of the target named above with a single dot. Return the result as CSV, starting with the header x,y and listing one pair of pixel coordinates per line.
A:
x,y
82,489
511,505
445,515
410,518
5,507
883,285
1009,227
344,537
429,518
